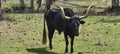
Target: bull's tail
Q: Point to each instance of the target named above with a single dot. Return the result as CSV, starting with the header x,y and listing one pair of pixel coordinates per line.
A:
x,y
44,40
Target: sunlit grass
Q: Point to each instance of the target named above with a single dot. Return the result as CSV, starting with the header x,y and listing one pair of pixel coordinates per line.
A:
x,y
22,34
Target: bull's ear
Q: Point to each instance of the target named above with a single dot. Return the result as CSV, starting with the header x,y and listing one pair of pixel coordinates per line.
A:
x,y
82,22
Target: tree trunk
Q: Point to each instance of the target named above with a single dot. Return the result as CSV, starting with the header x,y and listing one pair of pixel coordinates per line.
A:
x,y
65,0
32,4
0,7
115,3
1,18
22,4
48,4
39,2
115,7
0,4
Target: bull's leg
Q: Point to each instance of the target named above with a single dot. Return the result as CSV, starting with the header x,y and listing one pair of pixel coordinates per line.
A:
x,y
67,42
50,36
72,43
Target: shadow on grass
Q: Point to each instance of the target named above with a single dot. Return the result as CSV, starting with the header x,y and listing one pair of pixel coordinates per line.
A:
x,y
112,21
109,21
40,51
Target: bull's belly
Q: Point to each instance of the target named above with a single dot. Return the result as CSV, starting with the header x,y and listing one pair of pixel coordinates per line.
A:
x,y
59,30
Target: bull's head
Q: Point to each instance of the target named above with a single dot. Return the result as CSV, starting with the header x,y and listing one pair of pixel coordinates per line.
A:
x,y
81,17
74,21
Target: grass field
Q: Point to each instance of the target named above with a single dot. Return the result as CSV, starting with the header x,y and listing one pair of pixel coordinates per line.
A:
x,y
22,34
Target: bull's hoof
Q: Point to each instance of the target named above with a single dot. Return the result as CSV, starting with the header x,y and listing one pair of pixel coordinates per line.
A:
x,y
50,48
72,53
66,53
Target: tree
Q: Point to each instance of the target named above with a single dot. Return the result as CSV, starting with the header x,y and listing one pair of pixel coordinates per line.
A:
x,y
49,3
115,7
22,4
0,4
115,3
1,18
65,0
39,2
31,4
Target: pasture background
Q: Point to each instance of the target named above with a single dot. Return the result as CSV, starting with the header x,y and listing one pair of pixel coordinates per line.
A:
x,y
21,33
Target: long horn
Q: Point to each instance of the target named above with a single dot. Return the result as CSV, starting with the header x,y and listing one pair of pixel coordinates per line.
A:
x,y
63,13
87,12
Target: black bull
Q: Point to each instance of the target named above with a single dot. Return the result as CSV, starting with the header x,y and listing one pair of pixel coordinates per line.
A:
x,y
63,20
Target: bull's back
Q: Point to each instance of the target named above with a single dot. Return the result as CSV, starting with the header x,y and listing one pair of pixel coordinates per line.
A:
x,y
54,18
50,14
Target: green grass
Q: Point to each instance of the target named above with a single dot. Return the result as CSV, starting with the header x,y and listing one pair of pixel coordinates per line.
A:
x,y
22,34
